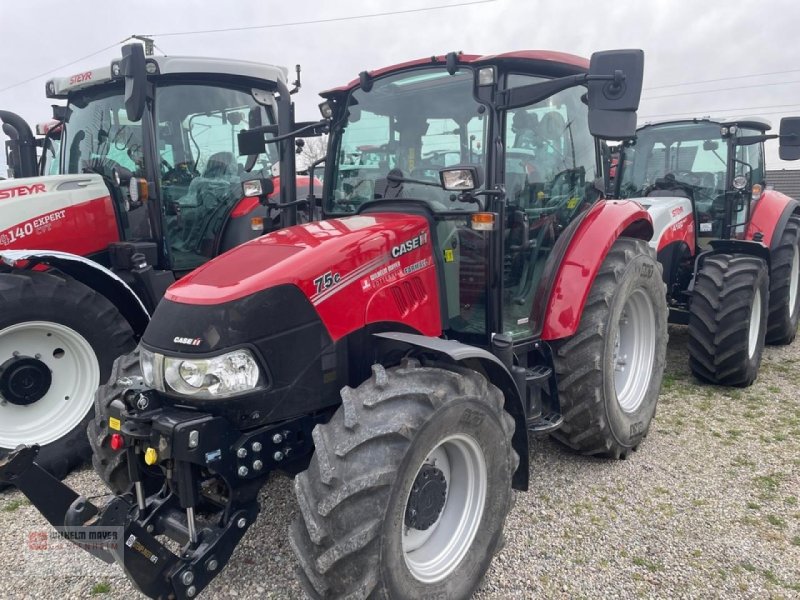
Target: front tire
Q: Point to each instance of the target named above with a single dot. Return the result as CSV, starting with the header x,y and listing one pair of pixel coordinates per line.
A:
x,y
728,319
609,372
784,286
58,339
408,489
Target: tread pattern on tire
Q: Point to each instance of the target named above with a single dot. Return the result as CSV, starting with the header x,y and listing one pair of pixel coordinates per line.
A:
x,y
111,466
578,359
346,487
781,328
719,320
22,288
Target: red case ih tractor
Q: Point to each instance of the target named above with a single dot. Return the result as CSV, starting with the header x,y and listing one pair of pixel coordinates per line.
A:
x,y
397,355
729,247
133,192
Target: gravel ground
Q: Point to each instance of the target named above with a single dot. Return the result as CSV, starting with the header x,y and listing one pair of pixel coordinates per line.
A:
x,y
707,508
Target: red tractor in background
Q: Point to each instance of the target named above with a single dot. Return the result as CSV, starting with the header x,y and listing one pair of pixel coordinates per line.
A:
x,y
397,355
128,195
729,246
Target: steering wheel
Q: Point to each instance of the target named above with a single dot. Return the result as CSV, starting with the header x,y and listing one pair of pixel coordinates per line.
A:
x,y
181,174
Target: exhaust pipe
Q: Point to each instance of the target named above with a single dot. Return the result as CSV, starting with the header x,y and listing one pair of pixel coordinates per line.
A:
x,y
23,144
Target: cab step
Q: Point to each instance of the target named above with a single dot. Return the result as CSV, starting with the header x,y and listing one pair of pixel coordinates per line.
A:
x,y
545,423
538,375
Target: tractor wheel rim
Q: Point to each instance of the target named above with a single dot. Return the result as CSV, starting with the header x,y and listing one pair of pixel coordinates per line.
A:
x,y
755,325
634,350
794,279
75,375
433,554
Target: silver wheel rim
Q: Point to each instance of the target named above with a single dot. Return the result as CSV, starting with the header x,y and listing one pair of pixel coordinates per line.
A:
x,y
634,350
433,554
75,375
755,324
794,278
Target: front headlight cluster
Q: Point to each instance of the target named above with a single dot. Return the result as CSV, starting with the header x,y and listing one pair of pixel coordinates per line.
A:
x,y
221,376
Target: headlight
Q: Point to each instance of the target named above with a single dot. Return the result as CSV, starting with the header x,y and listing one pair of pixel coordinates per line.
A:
x,y
221,376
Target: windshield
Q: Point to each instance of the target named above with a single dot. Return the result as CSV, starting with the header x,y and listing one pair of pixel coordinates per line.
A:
x,y
414,123
201,170
100,137
688,155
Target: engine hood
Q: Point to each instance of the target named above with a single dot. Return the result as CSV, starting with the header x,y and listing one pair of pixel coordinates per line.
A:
x,y
320,258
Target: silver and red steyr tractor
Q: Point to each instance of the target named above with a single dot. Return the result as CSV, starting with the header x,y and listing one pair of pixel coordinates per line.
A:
x,y
466,289
729,246
130,193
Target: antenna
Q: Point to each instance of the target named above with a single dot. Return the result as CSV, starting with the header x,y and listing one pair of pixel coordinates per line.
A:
x,y
296,83
149,43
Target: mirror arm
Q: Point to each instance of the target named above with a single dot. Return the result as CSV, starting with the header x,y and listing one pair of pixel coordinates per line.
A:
x,y
322,125
536,92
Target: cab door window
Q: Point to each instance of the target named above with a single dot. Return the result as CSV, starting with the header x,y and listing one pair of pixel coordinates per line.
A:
x,y
550,166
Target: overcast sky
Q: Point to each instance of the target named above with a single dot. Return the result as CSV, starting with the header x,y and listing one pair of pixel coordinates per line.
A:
x,y
684,41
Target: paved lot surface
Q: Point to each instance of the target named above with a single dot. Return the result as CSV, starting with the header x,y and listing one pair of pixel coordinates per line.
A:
x,y
709,507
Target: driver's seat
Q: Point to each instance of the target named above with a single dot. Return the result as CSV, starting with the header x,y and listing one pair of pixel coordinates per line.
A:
x,y
219,165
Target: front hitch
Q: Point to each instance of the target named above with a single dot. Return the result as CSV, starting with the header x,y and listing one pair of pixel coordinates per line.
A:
x,y
128,533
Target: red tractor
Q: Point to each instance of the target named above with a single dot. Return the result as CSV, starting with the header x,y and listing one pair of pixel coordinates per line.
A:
x,y
730,248
138,183
397,355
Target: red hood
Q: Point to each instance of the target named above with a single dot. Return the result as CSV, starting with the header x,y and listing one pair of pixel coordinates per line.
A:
x,y
350,247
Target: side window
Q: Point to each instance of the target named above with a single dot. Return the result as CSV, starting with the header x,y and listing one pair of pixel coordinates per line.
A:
x,y
550,155
366,153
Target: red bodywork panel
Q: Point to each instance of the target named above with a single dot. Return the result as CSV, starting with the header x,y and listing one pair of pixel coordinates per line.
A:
x,y
560,58
355,270
587,250
767,211
680,231
82,229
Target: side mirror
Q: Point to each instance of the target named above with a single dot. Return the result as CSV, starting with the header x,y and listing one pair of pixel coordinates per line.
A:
x,y
132,67
258,188
789,148
615,87
251,143
460,178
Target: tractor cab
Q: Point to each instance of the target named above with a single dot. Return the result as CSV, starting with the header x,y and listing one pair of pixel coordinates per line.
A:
x,y
395,133
174,173
717,164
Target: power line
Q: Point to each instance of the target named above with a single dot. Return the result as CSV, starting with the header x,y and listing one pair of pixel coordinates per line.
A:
x,y
315,21
40,75
669,85
738,87
718,110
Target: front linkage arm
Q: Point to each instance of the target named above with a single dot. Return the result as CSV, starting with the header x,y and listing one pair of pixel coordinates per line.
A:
x,y
153,569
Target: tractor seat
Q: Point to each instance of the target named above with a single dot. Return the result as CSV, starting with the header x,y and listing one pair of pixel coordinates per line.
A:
x,y
219,165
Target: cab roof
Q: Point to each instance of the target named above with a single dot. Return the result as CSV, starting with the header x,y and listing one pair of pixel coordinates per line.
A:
x,y
173,65
541,62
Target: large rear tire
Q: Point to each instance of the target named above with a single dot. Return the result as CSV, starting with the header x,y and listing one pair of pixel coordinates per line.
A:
x,y
609,372
728,319
784,286
58,340
408,489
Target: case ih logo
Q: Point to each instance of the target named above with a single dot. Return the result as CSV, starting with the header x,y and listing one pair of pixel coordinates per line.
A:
x,y
23,190
188,341
80,78
677,211
410,245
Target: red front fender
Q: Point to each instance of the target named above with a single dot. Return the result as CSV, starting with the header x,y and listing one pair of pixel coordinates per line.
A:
x,y
605,222
770,213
